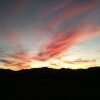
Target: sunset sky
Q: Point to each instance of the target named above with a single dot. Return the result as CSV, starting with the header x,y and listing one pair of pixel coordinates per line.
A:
x,y
52,33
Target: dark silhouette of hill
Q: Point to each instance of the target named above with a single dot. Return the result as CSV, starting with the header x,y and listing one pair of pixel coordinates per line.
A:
x,y
47,74
47,82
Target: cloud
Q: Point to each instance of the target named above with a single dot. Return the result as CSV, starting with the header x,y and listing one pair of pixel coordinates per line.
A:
x,y
84,61
22,56
14,64
63,41
71,12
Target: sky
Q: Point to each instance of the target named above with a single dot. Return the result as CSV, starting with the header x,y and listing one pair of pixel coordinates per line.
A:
x,y
52,33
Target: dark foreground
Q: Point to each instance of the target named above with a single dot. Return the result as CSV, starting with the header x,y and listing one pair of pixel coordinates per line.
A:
x,y
47,83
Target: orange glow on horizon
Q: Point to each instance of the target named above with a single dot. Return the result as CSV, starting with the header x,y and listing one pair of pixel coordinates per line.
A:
x,y
55,64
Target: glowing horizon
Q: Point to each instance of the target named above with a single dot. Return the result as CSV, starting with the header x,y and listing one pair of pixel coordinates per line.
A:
x,y
53,63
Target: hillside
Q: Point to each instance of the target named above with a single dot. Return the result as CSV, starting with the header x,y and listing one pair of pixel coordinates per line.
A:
x,y
69,75
50,82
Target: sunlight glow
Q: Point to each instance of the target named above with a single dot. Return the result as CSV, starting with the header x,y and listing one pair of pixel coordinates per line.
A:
x,y
54,63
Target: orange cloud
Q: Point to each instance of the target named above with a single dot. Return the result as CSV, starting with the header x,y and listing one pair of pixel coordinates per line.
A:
x,y
63,41
22,56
